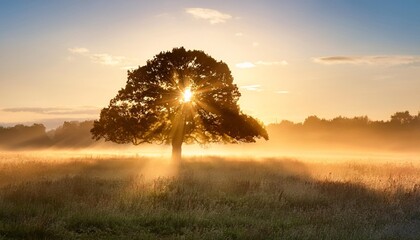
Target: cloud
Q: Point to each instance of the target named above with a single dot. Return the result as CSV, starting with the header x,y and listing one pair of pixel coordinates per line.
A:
x,y
255,44
49,123
239,34
55,111
102,58
211,15
256,87
369,60
245,65
263,63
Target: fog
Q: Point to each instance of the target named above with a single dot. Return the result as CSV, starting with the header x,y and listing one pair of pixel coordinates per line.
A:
x,y
315,139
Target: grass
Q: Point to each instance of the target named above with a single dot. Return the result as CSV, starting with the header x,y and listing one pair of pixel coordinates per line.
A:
x,y
208,198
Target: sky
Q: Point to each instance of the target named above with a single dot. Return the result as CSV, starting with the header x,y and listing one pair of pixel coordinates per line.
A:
x,y
64,60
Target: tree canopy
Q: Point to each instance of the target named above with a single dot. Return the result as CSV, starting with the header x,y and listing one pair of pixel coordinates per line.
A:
x,y
179,96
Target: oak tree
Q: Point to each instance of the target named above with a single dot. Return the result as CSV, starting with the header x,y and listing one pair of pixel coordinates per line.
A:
x,y
179,96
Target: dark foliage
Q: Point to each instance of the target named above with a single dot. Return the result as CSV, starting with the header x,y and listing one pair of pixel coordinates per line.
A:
x,y
150,109
21,136
73,134
401,132
69,135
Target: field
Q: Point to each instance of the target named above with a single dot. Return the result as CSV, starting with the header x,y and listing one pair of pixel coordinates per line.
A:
x,y
127,197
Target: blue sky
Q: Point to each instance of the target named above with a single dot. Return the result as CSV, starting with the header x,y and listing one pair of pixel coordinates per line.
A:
x,y
290,59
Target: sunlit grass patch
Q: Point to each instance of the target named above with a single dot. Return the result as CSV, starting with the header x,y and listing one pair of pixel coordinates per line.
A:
x,y
214,198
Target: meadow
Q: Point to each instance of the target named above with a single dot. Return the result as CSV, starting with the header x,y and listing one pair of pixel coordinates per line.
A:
x,y
93,196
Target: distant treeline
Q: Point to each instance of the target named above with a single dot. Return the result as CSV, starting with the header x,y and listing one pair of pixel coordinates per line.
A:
x,y
21,136
69,135
402,131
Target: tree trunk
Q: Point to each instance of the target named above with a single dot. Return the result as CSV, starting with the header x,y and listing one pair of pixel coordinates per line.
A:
x,y
177,140
176,151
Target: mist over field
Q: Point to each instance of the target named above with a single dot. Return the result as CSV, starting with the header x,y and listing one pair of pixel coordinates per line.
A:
x,y
314,138
344,178
77,195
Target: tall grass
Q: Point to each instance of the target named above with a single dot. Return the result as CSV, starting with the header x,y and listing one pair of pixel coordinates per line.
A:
x,y
208,198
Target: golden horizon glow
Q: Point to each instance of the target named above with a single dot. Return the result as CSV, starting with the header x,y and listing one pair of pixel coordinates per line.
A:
x,y
341,72
188,94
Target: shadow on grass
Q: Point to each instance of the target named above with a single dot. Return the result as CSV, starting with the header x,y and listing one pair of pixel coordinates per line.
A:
x,y
211,198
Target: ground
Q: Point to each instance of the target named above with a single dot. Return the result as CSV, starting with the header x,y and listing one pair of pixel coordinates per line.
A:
x,y
120,197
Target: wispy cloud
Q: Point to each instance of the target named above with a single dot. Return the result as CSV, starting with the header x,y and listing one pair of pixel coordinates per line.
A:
x,y
239,34
55,111
369,60
263,63
49,123
255,87
103,58
211,15
255,44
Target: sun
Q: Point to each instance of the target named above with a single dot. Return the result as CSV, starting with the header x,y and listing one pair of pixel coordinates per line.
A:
x,y
188,94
